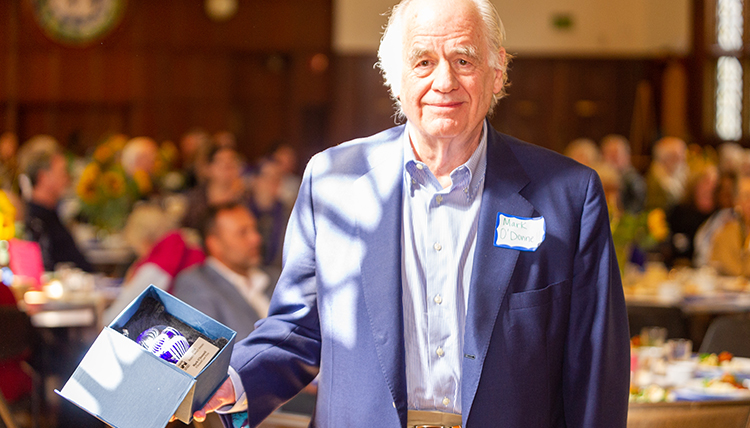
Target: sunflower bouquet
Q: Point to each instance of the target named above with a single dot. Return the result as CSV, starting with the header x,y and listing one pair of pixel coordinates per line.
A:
x,y
643,230
105,191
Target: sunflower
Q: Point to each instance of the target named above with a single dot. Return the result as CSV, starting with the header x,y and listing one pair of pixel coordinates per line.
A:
x,y
103,153
87,187
657,224
143,181
113,184
7,217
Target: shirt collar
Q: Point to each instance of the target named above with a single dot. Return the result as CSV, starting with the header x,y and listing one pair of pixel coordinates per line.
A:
x,y
476,165
240,281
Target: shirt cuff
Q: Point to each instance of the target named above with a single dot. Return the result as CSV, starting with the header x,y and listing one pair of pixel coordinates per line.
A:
x,y
240,399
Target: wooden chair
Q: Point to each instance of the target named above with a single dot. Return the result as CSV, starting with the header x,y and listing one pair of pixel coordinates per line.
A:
x,y
690,414
730,334
17,337
670,318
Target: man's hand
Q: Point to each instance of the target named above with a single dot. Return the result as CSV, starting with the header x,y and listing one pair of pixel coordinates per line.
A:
x,y
224,395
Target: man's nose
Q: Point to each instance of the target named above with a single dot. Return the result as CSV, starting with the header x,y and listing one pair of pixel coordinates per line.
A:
x,y
445,79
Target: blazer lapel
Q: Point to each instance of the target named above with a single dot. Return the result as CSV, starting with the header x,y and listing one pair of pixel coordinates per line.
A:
x,y
493,266
378,199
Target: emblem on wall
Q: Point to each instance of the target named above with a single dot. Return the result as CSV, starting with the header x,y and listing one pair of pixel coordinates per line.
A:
x,y
77,22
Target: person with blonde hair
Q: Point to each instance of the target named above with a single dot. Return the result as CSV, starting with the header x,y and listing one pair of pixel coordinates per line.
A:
x,y
730,246
667,177
585,151
162,251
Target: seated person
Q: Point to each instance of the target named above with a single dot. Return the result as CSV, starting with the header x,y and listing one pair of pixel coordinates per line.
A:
x,y
46,169
724,199
686,218
229,286
162,253
270,211
729,253
223,185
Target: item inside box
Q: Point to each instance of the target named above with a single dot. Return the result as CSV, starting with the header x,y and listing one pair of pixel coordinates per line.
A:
x,y
152,312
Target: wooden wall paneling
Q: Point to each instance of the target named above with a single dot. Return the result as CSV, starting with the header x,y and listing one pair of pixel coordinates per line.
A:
x,y
527,109
263,88
361,104
167,68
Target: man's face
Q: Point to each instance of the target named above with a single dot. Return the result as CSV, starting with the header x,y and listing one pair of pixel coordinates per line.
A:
x,y
447,82
225,167
56,177
236,242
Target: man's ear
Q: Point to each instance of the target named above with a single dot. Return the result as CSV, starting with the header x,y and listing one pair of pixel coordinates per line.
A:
x,y
497,85
212,245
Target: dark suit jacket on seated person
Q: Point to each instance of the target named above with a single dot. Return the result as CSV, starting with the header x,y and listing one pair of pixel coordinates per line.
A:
x,y
44,226
546,336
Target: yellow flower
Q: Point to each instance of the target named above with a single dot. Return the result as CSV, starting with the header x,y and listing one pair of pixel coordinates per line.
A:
x,y
169,151
113,184
103,153
143,181
116,142
7,217
657,224
87,188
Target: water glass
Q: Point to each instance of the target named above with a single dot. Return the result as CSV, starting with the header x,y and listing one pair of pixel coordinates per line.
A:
x,y
653,336
679,349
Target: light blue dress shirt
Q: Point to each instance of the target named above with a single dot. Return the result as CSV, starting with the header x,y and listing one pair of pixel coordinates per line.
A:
x,y
438,238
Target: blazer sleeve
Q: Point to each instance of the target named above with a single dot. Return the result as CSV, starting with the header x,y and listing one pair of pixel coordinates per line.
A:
x,y
282,355
597,356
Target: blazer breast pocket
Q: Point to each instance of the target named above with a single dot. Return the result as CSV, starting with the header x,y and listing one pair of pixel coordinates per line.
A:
x,y
540,297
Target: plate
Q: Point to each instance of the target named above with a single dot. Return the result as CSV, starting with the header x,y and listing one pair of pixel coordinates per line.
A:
x,y
738,366
695,390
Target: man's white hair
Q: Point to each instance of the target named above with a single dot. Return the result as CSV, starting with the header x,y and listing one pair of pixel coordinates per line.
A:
x,y
390,53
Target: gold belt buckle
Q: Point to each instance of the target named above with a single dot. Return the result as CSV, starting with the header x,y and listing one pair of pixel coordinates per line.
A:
x,y
436,426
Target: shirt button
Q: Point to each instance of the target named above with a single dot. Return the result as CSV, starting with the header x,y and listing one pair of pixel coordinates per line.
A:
x,y
440,352
437,246
438,299
438,199
466,190
420,166
446,401
413,181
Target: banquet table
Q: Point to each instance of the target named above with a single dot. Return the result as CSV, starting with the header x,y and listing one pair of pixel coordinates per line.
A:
x,y
694,291
684,414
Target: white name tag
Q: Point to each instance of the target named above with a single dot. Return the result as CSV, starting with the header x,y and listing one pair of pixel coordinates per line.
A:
x,y
519,233
197,357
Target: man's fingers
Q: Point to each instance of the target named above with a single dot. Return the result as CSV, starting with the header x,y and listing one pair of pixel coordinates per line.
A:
x,y
224,396
199,416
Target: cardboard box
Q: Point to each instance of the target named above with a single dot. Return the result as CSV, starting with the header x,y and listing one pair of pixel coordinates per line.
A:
x,y
126,386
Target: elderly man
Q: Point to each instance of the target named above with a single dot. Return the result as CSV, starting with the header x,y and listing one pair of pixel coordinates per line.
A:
x,y
440,273
616,153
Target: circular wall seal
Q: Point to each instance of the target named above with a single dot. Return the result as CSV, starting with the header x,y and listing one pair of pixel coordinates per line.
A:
x,y
77,22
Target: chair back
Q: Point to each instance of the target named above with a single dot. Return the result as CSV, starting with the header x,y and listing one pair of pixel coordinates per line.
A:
x,y
731,334
17,335
670,318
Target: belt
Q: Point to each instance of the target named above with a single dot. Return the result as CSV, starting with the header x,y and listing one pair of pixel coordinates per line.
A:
x,y
428,419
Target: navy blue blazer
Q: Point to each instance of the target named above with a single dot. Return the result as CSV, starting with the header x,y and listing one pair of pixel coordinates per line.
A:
x,y
546,340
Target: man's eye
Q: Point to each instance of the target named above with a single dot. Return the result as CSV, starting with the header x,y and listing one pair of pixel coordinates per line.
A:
x,y
424,63
463,62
